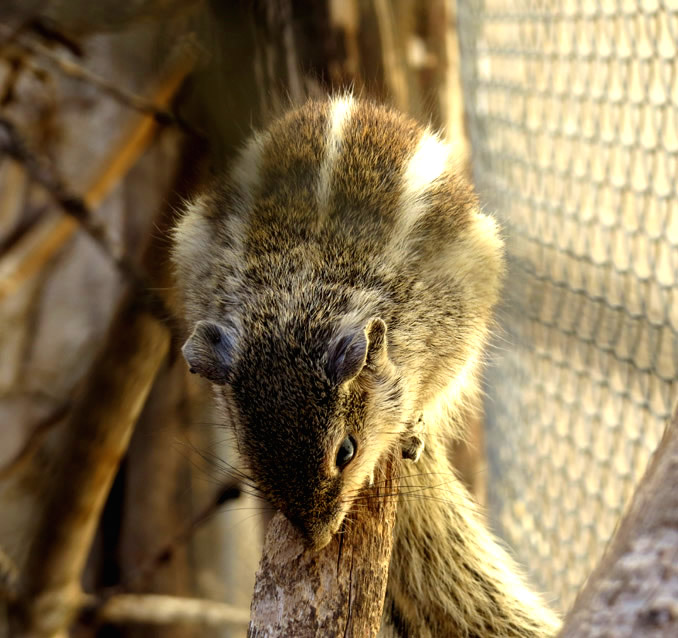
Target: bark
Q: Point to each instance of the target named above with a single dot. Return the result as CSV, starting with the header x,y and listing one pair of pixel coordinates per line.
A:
x,y
338,591
634,589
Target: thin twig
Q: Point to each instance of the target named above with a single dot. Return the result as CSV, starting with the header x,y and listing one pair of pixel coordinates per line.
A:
x,y
39,246
35,438
157,609
9,577
49,31
45,174
226,493
77,71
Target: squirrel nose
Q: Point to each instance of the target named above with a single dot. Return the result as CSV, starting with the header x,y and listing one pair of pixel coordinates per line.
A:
x,y
318,541
315,536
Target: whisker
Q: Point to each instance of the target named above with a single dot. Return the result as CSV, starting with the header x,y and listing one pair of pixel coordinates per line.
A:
x,y
452,475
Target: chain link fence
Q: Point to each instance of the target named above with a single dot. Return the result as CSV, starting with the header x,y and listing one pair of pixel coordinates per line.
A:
x,y
573,121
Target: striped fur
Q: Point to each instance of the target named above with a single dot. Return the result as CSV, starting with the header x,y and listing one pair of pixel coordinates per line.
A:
x,y
340,213
340,113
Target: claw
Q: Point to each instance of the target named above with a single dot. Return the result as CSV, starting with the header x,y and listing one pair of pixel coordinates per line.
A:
x,y
413,443
412,448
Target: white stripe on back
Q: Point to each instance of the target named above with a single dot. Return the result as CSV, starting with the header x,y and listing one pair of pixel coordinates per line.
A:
x,y
340,113
424,167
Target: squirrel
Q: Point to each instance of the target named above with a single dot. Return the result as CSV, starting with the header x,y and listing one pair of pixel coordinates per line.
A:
x,y
340,282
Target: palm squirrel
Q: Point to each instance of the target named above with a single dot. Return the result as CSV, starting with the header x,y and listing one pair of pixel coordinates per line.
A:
x,y
340,283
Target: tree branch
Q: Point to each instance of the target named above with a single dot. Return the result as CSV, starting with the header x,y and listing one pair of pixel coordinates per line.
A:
x,y
96,439
36,248
157,609
143,105
634,589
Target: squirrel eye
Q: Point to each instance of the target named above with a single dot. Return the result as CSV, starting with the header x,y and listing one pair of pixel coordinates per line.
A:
x,y
346,452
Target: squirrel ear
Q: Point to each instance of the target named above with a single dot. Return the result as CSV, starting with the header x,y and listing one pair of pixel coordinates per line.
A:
x,y
357,349
209,351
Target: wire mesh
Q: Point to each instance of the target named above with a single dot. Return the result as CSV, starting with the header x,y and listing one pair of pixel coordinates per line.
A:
x,y
573,121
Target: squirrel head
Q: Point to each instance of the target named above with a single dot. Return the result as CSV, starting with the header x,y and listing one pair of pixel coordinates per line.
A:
x,y
313,409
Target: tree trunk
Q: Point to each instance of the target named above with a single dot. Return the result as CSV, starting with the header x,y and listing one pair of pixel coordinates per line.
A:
x,y
634,589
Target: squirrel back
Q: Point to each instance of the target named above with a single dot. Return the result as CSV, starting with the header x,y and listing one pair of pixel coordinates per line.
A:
x,y
340,211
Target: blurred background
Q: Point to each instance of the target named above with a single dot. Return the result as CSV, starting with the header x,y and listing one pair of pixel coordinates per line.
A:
x,y
115,474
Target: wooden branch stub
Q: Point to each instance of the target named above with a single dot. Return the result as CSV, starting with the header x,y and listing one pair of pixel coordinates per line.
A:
x,y
634,589
337,591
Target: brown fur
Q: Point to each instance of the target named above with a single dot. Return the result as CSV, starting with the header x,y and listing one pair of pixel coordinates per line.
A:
x,y
344,281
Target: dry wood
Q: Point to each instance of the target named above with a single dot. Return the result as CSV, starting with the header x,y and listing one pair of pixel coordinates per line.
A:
x,y
634,589
158,609
338,591
68,67
97,436
37,247
34,440
103,418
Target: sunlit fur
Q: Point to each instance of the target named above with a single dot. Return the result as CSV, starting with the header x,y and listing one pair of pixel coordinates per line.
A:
x,y
340,113
343,213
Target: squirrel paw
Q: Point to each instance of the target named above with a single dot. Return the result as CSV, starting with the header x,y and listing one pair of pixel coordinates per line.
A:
x,y
412,447
413,444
